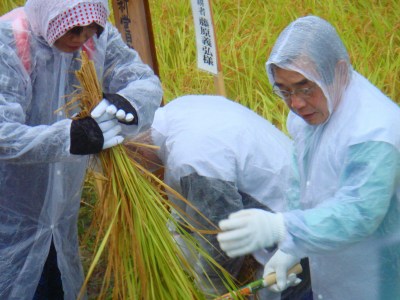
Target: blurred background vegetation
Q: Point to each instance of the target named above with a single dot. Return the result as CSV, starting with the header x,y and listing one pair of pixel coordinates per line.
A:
x,y
246,31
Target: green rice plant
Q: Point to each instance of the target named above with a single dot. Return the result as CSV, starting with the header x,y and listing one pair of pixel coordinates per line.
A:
x,y
7,5
131,217
246,31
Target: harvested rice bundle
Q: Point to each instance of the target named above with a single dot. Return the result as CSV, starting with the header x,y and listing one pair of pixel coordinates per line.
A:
x,y
131,216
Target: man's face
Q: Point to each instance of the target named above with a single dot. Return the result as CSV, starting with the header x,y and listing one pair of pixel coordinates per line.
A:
x,y
306,98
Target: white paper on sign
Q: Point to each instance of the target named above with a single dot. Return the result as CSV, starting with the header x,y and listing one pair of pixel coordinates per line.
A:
x,y
205,38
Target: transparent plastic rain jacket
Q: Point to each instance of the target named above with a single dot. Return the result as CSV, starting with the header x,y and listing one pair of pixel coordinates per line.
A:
x,y
349,168
40,181
222,157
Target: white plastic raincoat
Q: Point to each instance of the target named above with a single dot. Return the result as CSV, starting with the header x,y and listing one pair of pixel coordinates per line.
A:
x,y
222,157
218,138
40,181
349,221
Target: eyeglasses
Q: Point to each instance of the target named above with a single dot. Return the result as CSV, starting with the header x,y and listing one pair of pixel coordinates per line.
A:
x,y
303,93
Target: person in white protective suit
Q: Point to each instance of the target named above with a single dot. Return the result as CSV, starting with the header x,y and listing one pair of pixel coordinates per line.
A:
x,y
222,157
345,216
43,154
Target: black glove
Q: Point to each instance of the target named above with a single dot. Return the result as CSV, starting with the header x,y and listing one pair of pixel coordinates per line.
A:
x,y
123,108
86,137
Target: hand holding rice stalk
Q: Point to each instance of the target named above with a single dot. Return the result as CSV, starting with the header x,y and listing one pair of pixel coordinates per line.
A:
x,y
131,217
253,287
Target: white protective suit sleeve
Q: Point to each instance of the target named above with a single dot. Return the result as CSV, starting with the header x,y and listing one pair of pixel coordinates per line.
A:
x,y
40,181
20,141
355,211
126,75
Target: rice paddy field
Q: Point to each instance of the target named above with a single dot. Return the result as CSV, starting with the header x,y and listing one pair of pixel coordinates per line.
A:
x,y
246,31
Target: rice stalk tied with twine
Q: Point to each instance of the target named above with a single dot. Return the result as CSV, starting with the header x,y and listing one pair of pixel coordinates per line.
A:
x,y
131,216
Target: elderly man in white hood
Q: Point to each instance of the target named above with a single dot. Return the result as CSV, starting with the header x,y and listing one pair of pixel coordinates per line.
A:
x,y
44,155
345,215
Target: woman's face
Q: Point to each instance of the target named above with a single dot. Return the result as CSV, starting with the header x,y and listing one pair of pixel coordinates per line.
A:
x,y
74,39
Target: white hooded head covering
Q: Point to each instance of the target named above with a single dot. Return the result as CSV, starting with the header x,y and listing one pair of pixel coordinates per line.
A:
x,y
312,47
51,19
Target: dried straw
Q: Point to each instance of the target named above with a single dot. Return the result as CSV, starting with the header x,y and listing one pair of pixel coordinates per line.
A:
x,y
131,217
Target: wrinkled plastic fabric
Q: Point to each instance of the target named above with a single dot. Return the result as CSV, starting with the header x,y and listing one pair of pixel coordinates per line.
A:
x,y
215,137
349,170
40,181
318,63
222,157
215,199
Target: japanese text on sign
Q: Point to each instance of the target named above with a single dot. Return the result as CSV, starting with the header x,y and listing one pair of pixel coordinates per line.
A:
x,y
205,39
125,21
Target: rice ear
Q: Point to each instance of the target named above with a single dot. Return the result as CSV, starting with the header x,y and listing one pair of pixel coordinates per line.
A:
x,y
131,217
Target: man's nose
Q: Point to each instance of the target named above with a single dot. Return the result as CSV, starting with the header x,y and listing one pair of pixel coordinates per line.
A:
x,y
296,102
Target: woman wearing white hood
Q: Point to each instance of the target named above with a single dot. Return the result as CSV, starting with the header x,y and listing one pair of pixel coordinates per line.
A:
x,y
43,155
346,214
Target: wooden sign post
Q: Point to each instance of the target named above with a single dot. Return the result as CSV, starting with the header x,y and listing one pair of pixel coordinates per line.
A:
x,y
133,20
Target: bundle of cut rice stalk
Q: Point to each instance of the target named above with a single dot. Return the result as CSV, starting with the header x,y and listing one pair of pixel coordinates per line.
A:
x,y
131,217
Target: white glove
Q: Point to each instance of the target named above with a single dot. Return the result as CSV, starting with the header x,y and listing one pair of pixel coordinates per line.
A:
x,y
280,263
106,107
249,230
110,128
